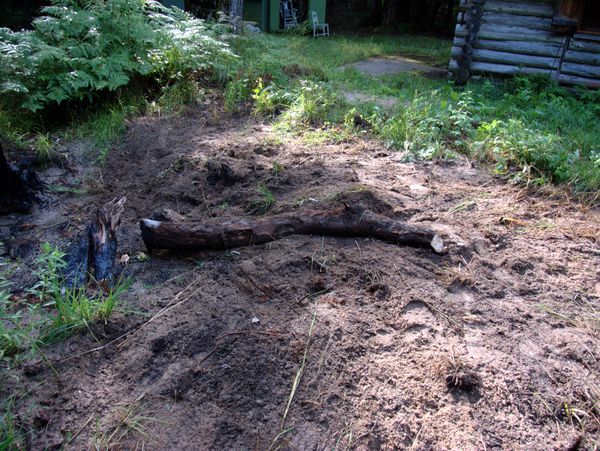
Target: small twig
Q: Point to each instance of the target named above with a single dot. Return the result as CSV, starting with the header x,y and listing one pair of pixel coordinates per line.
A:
x,y
168,307
416,439
300,372
251,332
205,202
265,290
129,333
365,434
358,246
205,358
311,295
439,312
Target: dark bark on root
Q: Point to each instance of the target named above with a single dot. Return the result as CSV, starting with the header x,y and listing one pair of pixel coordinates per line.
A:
x,y
218,233
95,251
17,187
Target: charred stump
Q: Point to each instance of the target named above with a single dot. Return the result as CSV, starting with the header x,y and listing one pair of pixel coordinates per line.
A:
x,y
17,187
218,233
95,251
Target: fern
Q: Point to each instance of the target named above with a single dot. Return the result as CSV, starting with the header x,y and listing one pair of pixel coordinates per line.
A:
x,y
79,49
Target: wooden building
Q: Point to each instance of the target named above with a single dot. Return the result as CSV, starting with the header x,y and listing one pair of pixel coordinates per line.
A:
x,y
560,38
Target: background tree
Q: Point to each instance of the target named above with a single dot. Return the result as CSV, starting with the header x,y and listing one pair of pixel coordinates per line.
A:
x,y
430,16
236,13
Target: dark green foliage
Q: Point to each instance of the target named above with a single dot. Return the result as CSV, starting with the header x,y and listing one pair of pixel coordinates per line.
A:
x,y
80,49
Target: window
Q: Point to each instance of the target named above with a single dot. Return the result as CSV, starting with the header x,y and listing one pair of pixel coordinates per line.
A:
x,y
590,19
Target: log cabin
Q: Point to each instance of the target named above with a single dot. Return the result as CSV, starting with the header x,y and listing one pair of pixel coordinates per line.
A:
x,y
559,38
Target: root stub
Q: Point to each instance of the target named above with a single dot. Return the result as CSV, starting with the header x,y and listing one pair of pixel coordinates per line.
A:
x,y
218,233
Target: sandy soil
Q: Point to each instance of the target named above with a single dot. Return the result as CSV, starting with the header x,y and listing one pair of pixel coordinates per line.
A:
x,y
494,345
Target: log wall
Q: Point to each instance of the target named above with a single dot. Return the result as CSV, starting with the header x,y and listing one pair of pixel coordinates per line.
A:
x,y
508,37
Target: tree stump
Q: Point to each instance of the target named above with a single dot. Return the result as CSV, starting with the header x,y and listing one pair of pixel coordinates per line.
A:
x,y
95,251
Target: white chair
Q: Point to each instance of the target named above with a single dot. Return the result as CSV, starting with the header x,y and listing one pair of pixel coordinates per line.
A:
x,y
319,29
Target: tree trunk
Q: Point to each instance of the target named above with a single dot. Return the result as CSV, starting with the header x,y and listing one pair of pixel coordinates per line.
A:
x,y
434,10
236,13
96,249
376,13
217,233
391,11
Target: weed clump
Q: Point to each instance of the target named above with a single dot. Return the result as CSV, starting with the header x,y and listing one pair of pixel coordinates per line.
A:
x,y
49,311
262,203
457,375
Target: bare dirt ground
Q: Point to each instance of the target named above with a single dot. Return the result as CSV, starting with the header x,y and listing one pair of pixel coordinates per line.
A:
x,y
496,345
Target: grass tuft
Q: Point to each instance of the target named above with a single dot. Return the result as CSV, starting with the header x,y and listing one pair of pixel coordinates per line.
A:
x,y
263,203
50,311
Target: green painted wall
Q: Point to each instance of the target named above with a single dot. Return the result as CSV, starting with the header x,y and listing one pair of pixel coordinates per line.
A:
x,y
252,11
264,15
273,15
319,7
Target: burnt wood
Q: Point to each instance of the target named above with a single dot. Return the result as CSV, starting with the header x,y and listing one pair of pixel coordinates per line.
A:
x,y
17,187
95,251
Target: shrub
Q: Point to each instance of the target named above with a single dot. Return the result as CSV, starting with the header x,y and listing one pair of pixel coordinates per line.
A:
x,y
78,49
435,125
315,104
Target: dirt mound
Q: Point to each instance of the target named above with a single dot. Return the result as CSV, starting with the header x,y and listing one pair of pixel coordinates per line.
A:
x,y
364,344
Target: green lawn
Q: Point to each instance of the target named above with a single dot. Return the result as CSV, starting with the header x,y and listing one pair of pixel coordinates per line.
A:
x,y
527,127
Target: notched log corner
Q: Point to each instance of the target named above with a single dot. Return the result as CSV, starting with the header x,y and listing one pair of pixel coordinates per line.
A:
x,y
219,233
95,251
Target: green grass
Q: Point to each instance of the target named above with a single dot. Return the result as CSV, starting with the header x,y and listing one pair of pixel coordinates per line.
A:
x,y
10,436
263,203
526,128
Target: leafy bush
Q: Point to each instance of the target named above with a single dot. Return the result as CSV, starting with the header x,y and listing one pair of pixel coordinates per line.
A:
x,y
80,48
434,125
269,99
314,104
236,91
